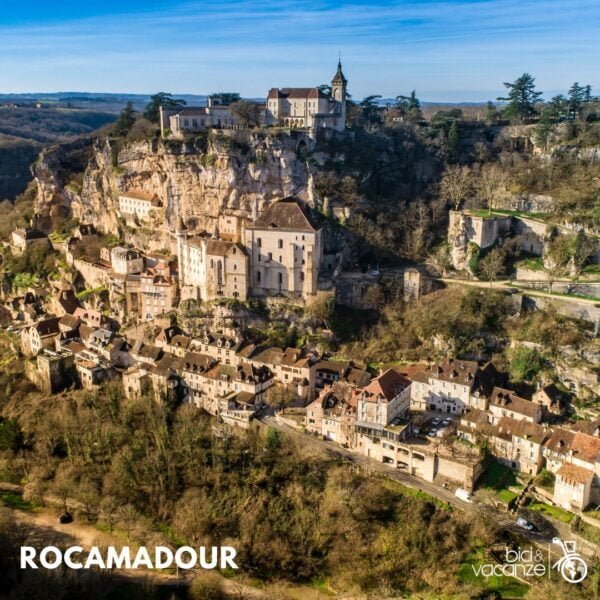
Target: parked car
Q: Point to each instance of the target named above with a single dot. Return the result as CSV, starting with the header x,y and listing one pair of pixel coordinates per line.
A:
x,y
525,524
447,421
65,518
463,495
431,433
436,421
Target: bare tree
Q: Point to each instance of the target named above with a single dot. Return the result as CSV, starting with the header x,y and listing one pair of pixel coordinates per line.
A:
x,y
556,256
457,184
279,396
491,185
247,112
492,264
582,248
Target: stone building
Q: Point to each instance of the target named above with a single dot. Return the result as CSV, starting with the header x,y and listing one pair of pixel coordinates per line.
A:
x,y
285,248
332,417
309,108
452,386
139,204
23,238
210,268
216,114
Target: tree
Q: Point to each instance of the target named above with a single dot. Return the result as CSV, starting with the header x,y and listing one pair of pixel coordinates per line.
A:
x,y
371,110
279,396
582,247
457,184
525,364
409,107
247,112
522,98
577,95
553,112
228,97
556,256
152,110
441,259
125,121
453,141
492,114
492,264
491,184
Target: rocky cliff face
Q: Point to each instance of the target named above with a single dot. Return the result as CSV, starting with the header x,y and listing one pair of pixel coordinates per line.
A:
x,y
231,172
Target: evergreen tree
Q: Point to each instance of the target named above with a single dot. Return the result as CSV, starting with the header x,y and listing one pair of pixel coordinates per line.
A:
x,y
453,141
152,111
371,110
522,97
577,97
125,121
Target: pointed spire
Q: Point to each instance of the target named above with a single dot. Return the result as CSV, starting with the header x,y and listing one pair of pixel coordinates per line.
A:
x,y
339,75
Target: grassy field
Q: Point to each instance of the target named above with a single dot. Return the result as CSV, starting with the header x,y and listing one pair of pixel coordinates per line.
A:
x,y
505,587
552,511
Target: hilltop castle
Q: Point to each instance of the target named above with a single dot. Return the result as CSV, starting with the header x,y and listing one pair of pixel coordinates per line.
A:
x,y
310,108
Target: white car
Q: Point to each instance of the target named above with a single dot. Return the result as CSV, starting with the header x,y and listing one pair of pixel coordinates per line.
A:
x,y
436,421
525,524
431,433
447,421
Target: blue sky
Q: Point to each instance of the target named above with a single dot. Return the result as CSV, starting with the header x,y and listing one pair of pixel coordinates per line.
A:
x,y
445,49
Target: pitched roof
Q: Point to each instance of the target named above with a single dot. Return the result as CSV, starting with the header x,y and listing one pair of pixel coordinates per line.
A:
x,y
575,474
70,321
289,213
140,195
508,399
388,385
525,430
223,248
290,92
47,327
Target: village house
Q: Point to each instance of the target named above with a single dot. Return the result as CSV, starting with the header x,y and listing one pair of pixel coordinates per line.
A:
x,y
157,293
25,237
40,335
125,261
285,251
332,417
506,403
574,458
552,399
328,372
139,205
452,386
211,268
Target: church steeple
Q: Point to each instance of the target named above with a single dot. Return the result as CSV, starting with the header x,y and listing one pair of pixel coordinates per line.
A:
x,y
338,78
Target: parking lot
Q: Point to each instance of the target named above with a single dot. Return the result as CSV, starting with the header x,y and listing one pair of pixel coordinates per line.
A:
x,y
436,425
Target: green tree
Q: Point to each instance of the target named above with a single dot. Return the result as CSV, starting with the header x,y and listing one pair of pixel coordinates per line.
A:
x,y
578,95
371,110
553,112
453,145
525,364
492,114
164,99
125,121
228,97
522,98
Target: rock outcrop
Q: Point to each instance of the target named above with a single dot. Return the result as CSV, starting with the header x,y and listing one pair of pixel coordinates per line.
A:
x,y
230,172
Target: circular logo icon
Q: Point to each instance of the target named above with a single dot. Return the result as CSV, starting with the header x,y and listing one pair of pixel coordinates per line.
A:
x,y
573,569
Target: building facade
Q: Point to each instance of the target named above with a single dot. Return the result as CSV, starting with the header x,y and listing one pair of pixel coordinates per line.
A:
x,y
285,251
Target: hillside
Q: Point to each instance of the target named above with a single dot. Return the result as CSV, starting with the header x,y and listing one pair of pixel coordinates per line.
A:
x,y
25,131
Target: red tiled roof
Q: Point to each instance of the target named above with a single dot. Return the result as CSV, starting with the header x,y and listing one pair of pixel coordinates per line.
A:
x,y
573,473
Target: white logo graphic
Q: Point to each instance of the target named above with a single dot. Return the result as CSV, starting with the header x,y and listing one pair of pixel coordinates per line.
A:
x,y
571,566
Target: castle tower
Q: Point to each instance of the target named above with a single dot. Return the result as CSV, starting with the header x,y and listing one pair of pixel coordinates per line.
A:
x,y
338,91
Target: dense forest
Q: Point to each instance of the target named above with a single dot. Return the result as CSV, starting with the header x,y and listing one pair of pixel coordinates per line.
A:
x,y
25,131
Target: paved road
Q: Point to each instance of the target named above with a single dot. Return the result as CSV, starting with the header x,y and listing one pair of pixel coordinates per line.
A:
x,y
505,520
505,284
